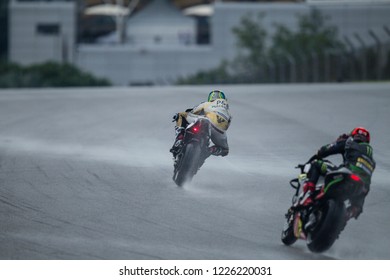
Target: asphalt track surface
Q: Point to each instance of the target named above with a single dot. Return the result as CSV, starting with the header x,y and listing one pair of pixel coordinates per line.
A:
x,y
86,173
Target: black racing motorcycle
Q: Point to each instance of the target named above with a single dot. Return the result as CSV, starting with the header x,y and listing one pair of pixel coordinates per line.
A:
x,y
194,151
321,223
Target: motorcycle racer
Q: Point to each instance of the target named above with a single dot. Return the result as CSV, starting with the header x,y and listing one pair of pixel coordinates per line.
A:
x,y
357,156
216,109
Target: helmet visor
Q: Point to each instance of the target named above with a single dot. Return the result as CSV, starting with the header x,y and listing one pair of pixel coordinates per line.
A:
x,y
216,94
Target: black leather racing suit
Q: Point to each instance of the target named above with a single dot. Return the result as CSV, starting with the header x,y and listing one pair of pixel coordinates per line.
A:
x,y
357,156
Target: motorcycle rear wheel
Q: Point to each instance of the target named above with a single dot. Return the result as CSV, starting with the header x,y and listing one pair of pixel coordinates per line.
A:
x,y
325,233
187,165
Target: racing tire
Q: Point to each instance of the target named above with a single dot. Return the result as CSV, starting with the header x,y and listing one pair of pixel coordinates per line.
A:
x,y
288,237
188,164
325,233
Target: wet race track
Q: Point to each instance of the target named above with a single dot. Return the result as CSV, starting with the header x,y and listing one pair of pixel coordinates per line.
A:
x,y
86,173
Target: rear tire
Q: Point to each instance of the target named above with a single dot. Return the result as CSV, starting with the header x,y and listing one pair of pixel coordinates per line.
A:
x,y
188,164
322,237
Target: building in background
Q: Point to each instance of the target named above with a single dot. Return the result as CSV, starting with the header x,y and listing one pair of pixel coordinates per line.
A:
x,y
160,24
42,31
158,52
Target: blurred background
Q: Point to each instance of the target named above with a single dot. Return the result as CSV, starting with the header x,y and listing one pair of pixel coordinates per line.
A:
x,y
164,42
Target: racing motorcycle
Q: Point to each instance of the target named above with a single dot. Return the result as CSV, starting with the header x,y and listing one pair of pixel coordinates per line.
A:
x,y
194,151
321,223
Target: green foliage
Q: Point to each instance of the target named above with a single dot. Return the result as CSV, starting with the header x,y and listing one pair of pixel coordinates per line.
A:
x,y
257,59
217,75
313,35
48,74
251,37
386,70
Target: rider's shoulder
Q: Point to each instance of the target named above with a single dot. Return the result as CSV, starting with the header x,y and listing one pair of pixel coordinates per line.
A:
x,y
202,104
349,141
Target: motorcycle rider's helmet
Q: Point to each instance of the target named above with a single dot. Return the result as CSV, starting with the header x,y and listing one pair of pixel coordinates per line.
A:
x,y
216,94
361,134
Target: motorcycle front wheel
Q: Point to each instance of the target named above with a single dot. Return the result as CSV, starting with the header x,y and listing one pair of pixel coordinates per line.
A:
x,y
288,237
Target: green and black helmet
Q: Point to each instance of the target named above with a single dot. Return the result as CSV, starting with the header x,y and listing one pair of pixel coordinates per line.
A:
x,y
216,94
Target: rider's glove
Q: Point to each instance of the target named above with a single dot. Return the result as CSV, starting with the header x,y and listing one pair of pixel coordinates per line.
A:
x,y
353,212
342,137
175,117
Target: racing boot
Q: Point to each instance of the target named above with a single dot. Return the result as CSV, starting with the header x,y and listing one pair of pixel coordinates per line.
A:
x,y
218,151
308,191
178,141
215,151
